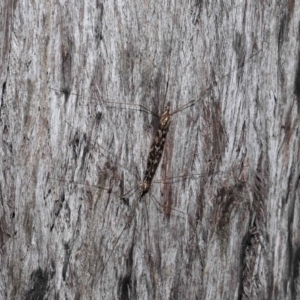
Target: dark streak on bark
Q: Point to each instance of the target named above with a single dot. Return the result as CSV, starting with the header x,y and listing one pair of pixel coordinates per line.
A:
x,y
240,49
291,8
295,265
197,9
251,278
76,147
7,15
38,282
293,247
246,244
214,135
66,63
297,82
3,93
5,231
282,39
125,287
128,56
282,31
57,208
68,251
289,130
98,27
227,199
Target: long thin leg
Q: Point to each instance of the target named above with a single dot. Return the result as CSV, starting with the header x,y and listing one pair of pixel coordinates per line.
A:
x,y
107,156
142,108
198,98
128,223
164,206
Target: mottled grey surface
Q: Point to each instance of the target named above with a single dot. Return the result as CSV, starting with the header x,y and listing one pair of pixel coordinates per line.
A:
x,y
238,236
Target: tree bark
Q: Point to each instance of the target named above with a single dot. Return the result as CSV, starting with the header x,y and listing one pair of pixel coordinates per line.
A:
x,y
71,151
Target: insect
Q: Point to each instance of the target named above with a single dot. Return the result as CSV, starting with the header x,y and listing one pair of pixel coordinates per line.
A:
x,y
158,142
134,222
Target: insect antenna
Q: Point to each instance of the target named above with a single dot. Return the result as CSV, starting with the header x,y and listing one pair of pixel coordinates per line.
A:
x,y
142,108
108,103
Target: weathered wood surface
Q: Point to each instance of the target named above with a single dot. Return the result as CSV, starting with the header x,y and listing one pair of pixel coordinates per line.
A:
x,y
239,236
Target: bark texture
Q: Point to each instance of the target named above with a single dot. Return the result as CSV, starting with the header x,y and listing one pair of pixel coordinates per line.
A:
x,y
230,231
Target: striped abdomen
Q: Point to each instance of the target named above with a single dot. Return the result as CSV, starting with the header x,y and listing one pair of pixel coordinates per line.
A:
x,y
156,151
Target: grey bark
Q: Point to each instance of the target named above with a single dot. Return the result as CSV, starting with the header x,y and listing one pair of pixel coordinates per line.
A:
x,y
231,231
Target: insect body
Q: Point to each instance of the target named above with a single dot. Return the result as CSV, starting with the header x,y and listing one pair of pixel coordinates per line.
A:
x,y
157,146
153,160
156,151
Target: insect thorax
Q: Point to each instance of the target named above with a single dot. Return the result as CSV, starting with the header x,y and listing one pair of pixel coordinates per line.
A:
x,y
144,186
165,119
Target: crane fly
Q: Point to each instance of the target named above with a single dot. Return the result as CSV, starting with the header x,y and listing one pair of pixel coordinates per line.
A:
x,y
155,153
153,160
158,142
